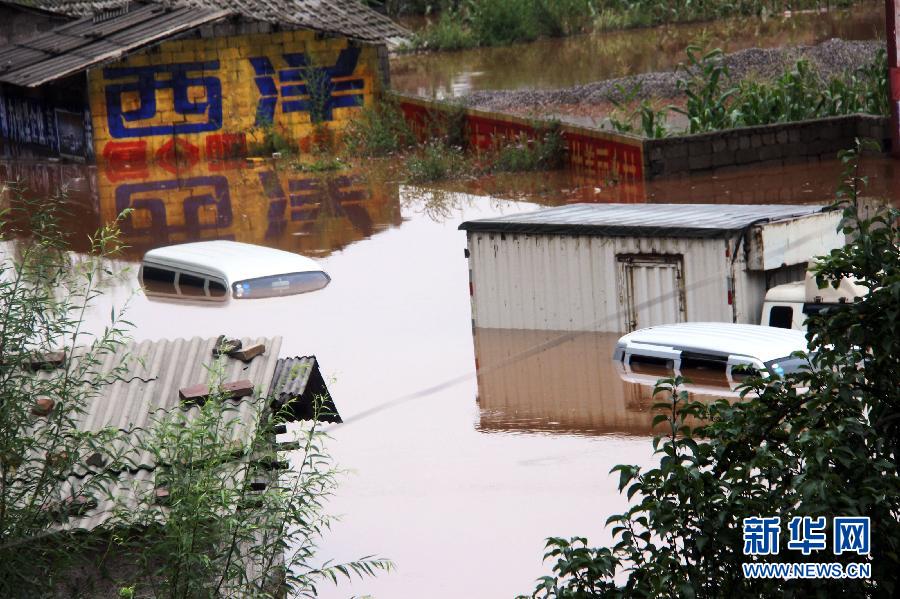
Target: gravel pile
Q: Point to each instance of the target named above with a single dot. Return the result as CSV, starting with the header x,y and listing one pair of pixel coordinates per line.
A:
x,y
828,59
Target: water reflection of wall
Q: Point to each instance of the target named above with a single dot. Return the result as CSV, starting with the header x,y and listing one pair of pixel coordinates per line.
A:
x,y
268,205
271,205
557,381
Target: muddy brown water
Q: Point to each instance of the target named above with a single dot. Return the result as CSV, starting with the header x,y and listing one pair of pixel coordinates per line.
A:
x,y
457,475
564,62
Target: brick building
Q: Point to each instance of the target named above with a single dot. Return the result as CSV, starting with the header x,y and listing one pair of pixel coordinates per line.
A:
x,y
133,83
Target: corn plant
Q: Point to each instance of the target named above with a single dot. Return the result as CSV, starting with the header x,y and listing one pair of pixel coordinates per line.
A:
x,y
644,119
707,90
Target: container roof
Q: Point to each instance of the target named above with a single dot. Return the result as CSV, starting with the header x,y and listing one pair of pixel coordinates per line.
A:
x,y
642,220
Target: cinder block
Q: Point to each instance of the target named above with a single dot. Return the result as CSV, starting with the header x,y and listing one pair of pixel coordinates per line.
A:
x,y
768,139
781,137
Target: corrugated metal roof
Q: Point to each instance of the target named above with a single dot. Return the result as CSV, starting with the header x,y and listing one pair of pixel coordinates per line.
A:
x,y
299,380
641,220
73,47
155,371
344,17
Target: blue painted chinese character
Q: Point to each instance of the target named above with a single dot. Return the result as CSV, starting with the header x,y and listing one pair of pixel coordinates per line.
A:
x,y
851,535
761,535
146,80
807,534
305,88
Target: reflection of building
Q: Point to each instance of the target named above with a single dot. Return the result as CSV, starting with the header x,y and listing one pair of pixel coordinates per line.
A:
x,y
277,207
138,83
557,381
313,214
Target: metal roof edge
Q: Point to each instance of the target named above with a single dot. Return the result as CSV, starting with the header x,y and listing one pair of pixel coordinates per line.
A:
x,y
612,230
595,230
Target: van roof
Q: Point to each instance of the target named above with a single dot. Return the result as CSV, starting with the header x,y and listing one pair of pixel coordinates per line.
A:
x,y
231,260
722,338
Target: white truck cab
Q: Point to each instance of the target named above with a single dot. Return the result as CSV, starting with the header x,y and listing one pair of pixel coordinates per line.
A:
x,y
787,306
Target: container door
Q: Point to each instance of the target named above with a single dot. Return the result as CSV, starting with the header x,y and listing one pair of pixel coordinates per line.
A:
x,y
651,289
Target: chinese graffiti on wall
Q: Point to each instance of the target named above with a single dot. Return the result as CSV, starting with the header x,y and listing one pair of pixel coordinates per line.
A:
x,y
199,99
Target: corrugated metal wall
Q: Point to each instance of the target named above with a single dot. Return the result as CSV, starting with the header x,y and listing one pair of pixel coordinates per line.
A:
x,y
575,283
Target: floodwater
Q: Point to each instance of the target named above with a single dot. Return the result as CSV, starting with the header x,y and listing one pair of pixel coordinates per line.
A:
x,y
607,55
456,475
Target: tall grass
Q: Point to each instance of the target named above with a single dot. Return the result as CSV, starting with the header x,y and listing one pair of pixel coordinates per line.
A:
x,y
469,23
502,22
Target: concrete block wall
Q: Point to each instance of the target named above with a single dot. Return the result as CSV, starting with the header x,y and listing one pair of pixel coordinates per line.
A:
x,y
213,95
767,145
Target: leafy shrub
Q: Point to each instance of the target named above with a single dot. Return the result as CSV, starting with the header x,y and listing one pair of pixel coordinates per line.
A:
x,y
435,162
378,130
448,32
547,152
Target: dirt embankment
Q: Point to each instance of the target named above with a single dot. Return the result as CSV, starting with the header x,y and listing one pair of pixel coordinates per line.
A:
x,y
828,59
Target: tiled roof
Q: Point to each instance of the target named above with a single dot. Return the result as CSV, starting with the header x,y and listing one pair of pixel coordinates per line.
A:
x,y
72,47
345,17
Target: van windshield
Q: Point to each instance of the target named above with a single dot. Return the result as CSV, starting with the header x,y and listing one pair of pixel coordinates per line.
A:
x,y
278,285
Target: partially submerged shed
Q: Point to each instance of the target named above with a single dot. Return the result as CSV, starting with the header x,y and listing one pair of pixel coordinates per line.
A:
x,y
620,267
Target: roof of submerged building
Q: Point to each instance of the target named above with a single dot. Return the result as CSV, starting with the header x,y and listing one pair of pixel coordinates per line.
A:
x,y
344,17
109,30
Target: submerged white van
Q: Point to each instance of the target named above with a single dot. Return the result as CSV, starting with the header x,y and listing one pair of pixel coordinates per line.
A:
x,y
215,270
714,356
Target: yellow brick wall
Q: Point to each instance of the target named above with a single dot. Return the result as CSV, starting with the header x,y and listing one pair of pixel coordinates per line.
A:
x,y
160,75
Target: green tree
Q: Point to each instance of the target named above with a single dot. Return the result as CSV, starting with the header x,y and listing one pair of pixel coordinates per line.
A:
x,y
821,442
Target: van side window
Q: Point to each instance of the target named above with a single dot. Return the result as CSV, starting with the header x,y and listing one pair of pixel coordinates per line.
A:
x,y
704,369
781,317
191,286
217,288
158,280
651,365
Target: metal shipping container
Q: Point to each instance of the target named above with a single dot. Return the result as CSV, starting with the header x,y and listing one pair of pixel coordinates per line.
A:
x,y
620,267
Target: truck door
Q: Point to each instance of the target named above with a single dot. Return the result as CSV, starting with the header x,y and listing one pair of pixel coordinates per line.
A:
x,y
651,289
